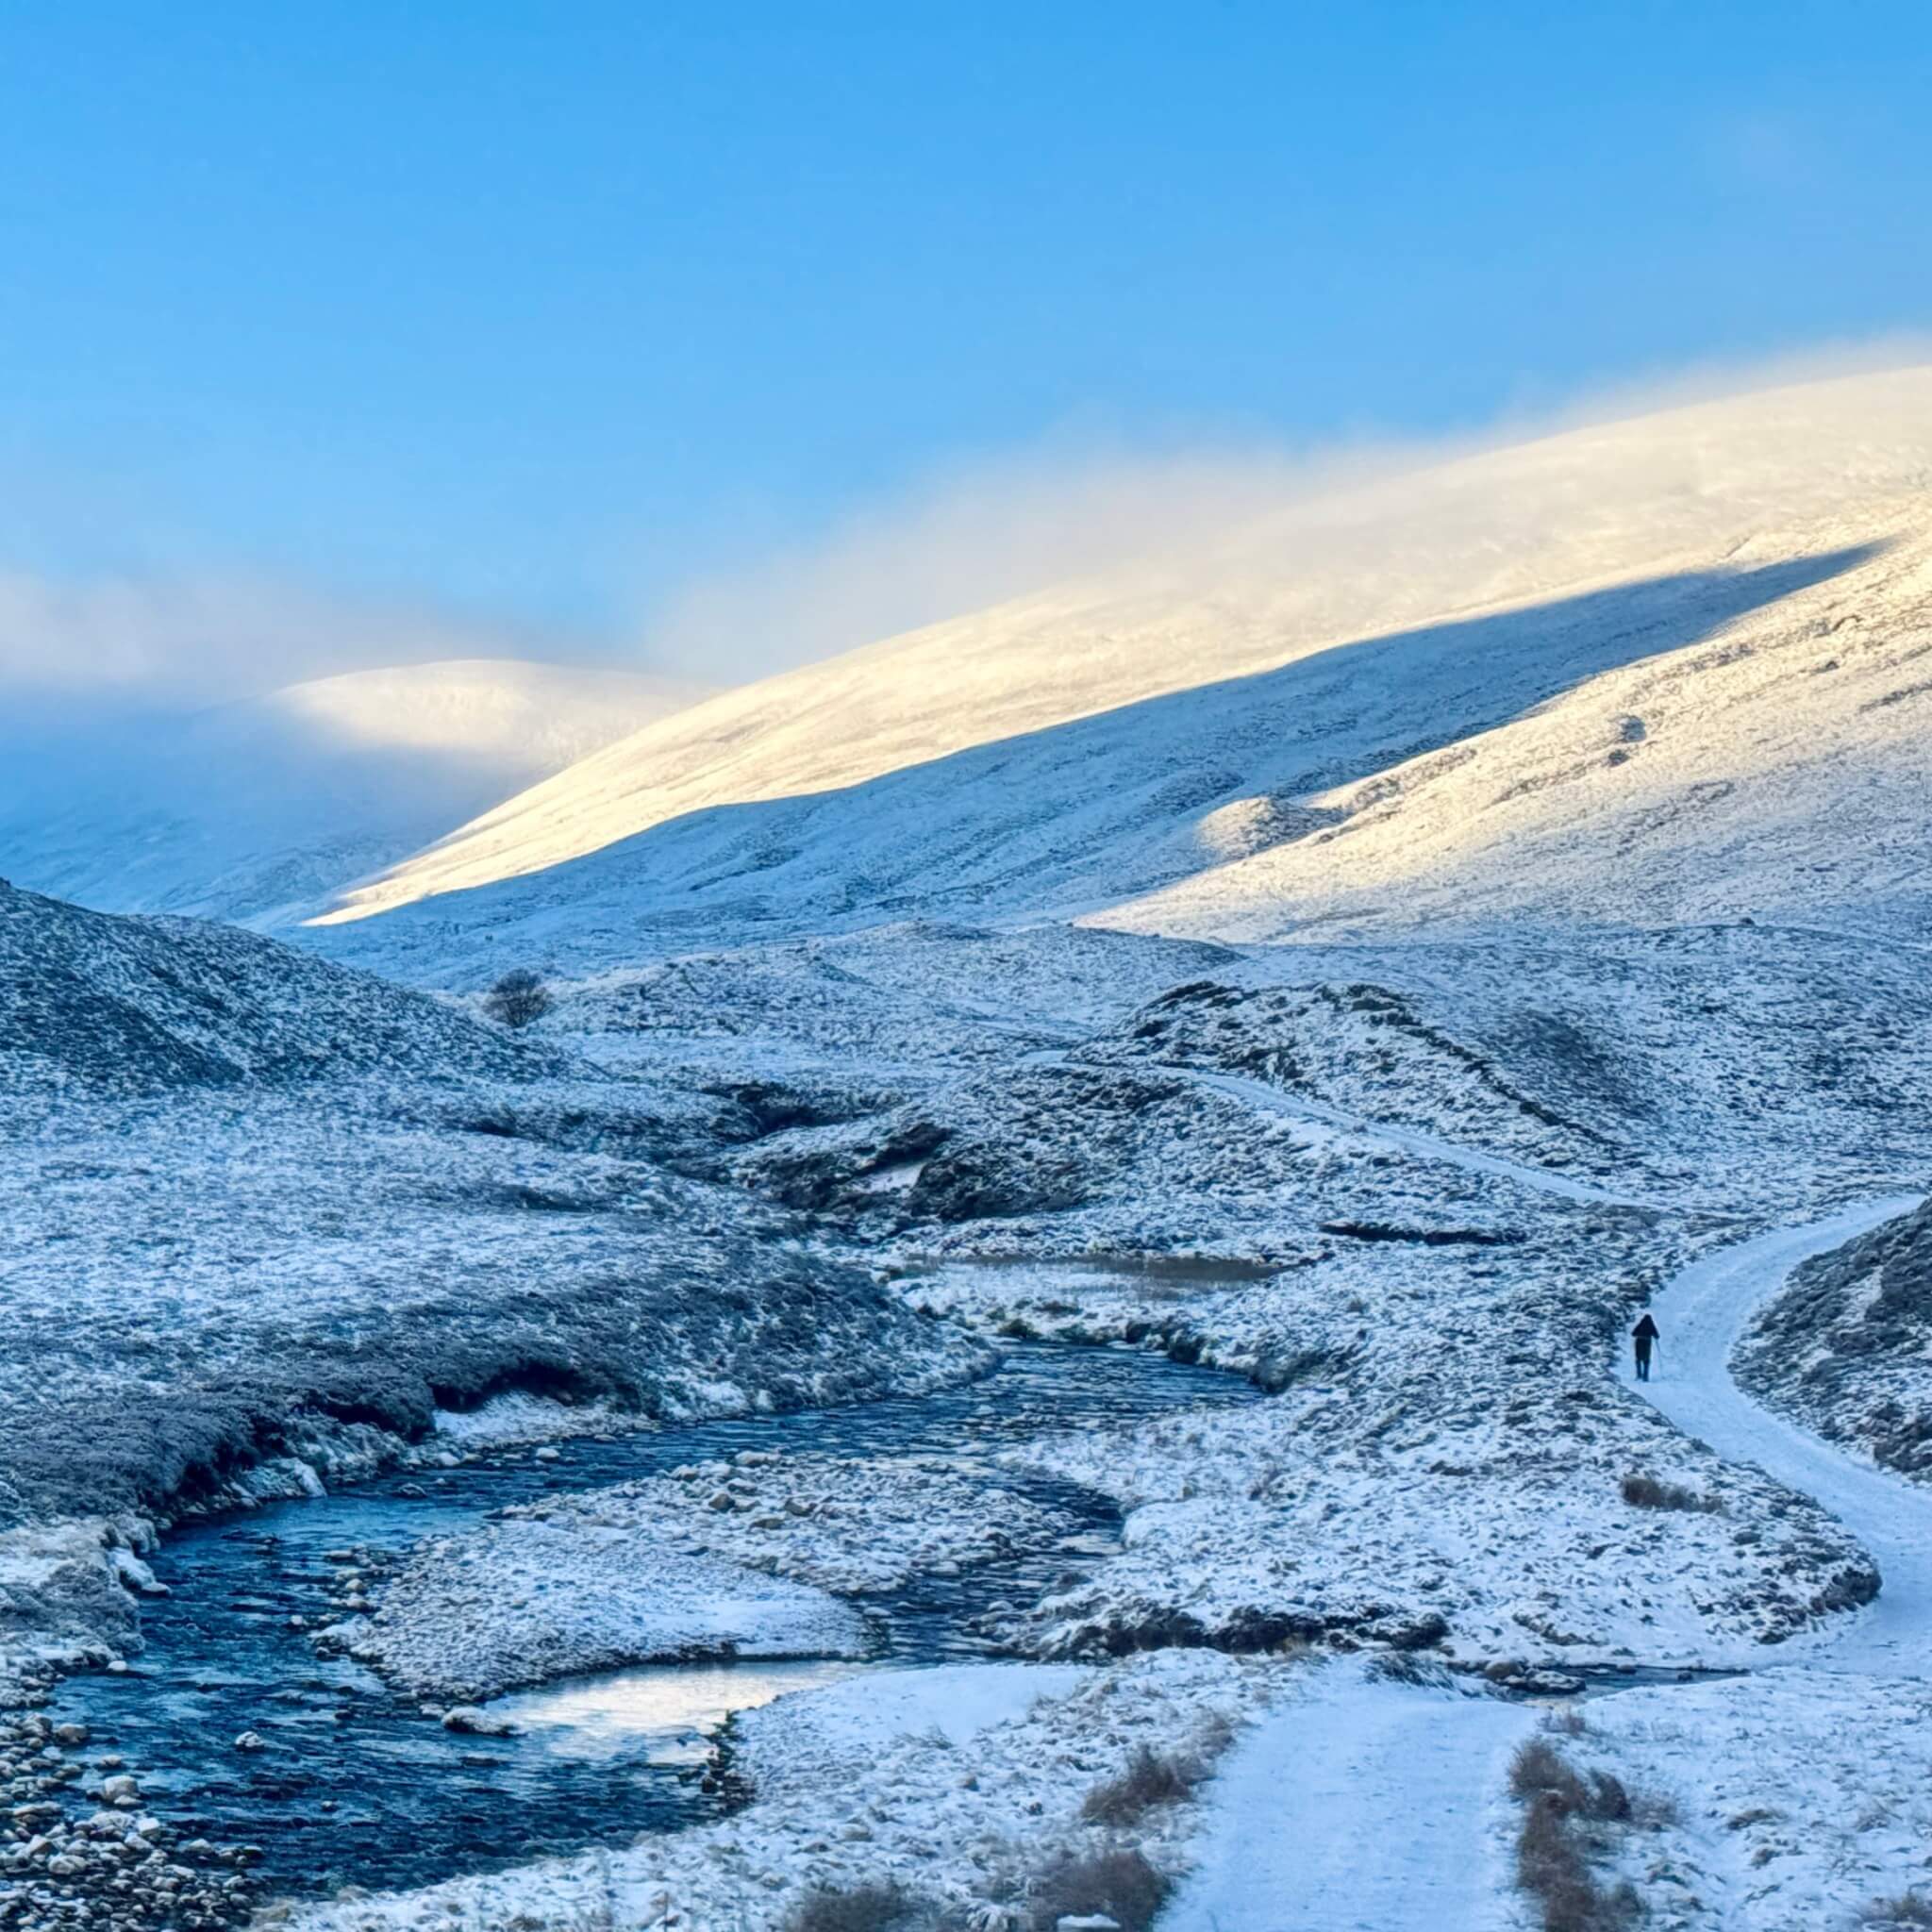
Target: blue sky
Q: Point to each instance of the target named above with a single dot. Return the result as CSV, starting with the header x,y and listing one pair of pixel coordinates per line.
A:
x,y
532,311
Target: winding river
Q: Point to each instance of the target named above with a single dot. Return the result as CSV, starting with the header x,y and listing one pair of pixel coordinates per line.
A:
x,y
354,1786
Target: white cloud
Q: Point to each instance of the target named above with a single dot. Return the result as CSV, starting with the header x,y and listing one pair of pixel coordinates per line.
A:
x,y
993,531
1000,529
196,638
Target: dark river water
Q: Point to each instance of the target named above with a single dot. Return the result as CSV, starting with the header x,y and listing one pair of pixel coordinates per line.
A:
x,y
355,1787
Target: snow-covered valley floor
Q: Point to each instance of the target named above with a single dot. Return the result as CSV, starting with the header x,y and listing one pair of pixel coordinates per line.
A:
x,y
1412,1195
1348,1796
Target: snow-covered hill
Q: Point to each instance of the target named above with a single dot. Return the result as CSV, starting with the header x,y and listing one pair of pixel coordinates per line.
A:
x,y
93,1007
254,809
1669,668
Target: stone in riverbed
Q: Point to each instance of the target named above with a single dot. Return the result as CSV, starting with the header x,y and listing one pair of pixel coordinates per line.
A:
x,y
1543,1683
475,1723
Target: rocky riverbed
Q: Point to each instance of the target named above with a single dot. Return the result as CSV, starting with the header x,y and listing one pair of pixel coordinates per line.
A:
x,y
83,1849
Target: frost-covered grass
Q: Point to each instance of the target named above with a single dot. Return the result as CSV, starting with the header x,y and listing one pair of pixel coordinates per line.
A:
x,y
1790,1799
262,1220
1445,1460
1731,1068
1502,1538
1442,1307
850,1525
345,1249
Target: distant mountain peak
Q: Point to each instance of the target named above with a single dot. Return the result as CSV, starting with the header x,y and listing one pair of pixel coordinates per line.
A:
x,y
258,810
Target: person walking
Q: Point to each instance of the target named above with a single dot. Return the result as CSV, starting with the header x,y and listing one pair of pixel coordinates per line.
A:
x,y
1645,1336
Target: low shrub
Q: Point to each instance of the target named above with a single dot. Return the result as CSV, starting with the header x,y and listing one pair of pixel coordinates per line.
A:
x,y
1122,1885
1908,1908
1151,1778
1407,1667
519,999
886,1907
1653,1810
1647,1493
1213,1735
1540,1770
1552,1848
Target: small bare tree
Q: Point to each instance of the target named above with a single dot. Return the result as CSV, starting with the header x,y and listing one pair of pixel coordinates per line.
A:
x,y
518,998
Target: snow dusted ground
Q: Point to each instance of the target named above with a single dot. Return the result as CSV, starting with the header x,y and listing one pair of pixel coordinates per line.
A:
x,y
522,1602
1843,1347
1799,1798
849,1524
1442,1193
1782,1801
304,1212
1731,1070
1399,1494
1778,1800
1734,1068
274,1297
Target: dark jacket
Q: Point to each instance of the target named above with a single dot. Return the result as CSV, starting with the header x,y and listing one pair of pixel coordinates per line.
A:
x,y
1645,1332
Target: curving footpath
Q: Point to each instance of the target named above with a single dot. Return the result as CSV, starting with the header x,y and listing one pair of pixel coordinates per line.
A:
x,y
1368,1807
1271,1099
1702,1312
